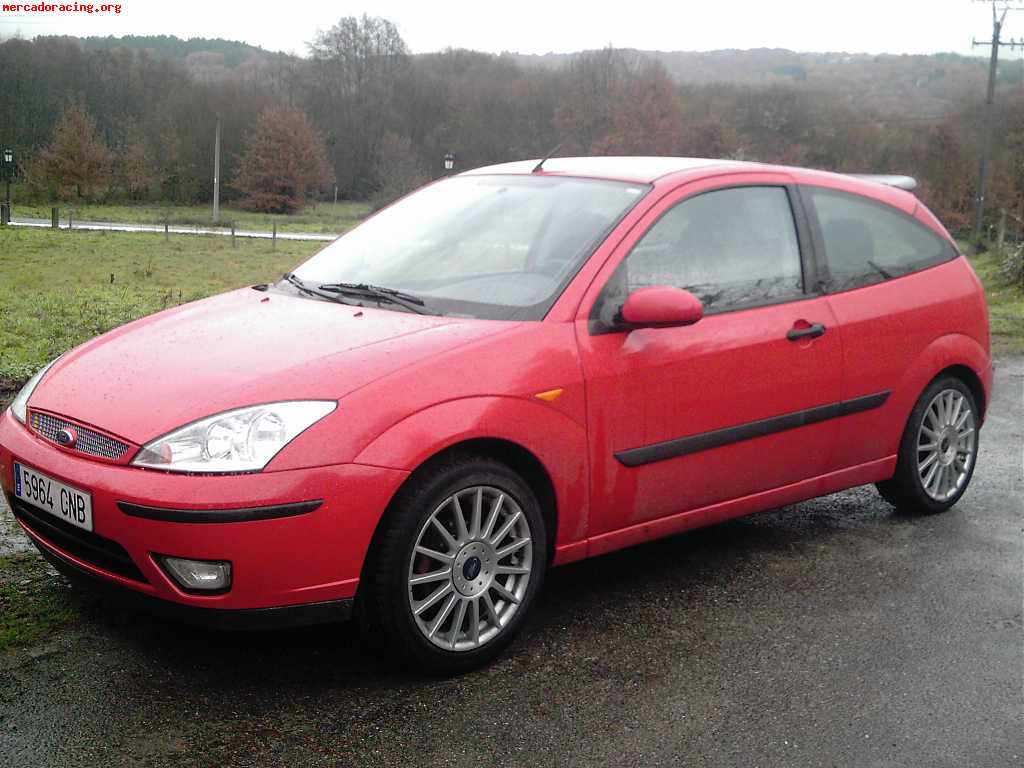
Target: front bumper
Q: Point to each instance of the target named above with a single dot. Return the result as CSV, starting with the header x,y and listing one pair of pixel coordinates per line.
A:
x,y
307,559
214,618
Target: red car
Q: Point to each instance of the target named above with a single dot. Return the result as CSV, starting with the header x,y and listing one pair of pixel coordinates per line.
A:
x,y
510,369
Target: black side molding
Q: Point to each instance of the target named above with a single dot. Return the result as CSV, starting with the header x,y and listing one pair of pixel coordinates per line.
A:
x,y
670,449
240,515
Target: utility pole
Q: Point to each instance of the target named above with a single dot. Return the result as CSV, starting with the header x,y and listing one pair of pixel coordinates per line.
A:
x,y
216,174
990,98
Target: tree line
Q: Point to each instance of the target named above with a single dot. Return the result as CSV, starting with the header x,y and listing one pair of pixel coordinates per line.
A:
x,y
363,114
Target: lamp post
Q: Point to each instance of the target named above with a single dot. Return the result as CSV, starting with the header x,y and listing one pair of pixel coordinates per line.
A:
x,y
449,161
8,172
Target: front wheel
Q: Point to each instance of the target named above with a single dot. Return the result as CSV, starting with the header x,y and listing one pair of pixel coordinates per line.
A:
x,y
938,450
460,560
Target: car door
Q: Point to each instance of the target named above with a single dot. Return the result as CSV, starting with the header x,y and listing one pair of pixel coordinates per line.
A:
x,y
889,305
683,418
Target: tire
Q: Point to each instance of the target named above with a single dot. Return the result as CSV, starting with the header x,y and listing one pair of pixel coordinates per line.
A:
x,y
482,585
938,450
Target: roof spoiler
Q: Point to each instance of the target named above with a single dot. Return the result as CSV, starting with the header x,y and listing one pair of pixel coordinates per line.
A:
x,y
909,183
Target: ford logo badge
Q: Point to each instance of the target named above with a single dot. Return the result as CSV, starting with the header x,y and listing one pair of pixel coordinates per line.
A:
x,y
67,437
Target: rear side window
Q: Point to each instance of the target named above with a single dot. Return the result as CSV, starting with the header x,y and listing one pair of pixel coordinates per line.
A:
x,y
867,242
731,248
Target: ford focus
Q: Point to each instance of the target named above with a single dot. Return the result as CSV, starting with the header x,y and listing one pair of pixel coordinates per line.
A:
x,y
508,370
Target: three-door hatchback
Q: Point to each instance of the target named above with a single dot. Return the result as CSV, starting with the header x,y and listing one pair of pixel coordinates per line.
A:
x,y
512,368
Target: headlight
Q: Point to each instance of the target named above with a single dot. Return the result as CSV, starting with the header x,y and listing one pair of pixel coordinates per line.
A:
x,y
19,406
243,440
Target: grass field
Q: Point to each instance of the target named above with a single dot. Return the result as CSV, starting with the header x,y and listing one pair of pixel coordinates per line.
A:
x,y
56,290
1005,305
322,218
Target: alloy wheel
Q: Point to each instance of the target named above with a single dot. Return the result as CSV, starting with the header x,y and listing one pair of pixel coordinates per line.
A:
x,y
470,568
946,445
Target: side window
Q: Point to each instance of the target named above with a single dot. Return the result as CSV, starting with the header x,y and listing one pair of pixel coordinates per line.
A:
x,y
867,242
731,248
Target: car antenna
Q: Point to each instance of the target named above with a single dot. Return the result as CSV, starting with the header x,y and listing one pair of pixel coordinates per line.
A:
x,y
540,166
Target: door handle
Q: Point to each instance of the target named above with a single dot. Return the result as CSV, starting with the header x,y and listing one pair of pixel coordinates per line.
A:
x,y
807,332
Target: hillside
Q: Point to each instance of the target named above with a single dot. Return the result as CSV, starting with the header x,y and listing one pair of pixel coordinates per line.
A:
x,y
900,85
232,52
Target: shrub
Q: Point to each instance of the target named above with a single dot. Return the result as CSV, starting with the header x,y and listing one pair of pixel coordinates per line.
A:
x,y
285,161
1013,266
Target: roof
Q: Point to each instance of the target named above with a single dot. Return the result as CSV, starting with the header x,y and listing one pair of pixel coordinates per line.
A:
x,y
638,169
644,170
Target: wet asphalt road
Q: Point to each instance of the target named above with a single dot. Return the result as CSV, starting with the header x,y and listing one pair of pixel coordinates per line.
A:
x,y
830,633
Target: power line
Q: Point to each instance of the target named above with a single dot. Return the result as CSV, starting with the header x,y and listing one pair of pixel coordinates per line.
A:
x,y
986,148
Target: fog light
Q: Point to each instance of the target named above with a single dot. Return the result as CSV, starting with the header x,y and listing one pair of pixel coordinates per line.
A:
x,y
198,575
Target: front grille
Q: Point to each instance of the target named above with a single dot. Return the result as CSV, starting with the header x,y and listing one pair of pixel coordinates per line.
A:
x,y
88,547
88,441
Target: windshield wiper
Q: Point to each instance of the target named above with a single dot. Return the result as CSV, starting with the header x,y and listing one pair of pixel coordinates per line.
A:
x,y
880,270
303,288
298,284
389,295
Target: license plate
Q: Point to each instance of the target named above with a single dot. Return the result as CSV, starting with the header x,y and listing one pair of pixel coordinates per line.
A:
x,y
62,501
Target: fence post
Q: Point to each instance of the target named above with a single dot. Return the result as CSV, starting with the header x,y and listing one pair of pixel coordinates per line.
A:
x,y
71,218
233,245
3,214
55,217
166,231
1001,230
273,238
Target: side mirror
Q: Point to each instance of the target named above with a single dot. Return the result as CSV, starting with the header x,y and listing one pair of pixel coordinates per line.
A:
x,y
661,306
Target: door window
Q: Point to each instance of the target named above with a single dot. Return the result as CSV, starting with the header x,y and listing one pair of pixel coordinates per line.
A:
x,y
867,242
731,248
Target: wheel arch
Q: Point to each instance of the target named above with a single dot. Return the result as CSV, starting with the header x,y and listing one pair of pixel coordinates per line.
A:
x,y
514,456
506,452
967,375
543,445
951,354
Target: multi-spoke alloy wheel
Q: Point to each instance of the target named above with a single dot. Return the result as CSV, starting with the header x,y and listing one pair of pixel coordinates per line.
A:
x,y
459,559
938,450
946,445
470,568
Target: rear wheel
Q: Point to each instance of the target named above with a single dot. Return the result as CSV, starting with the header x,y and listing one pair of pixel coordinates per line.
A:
x,y
938,450
459,563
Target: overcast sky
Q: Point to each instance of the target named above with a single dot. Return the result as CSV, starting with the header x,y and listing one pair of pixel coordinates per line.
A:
x,y
540,26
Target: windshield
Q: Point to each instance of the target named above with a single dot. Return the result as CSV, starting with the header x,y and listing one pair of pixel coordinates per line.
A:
x,y
497,247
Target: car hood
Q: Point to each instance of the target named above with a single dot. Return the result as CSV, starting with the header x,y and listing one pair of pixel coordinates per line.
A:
x,y
246,347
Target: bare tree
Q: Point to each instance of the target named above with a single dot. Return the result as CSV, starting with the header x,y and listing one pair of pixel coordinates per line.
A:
x,y
357,65
646,116
593,80
398,170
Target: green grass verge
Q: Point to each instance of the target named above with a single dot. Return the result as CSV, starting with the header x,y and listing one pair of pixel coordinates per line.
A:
x,y
32,602
321,218
1005,304
56,290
